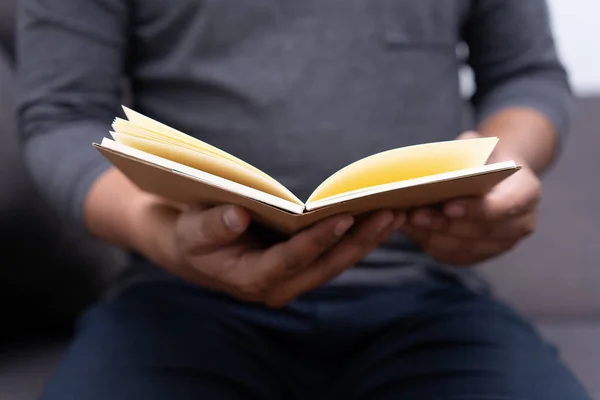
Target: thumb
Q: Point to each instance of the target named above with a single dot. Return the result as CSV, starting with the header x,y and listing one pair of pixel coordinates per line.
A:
x,y
204,229
469,135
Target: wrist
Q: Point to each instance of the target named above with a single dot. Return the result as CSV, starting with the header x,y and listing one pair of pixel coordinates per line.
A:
x,y
526,137
152,230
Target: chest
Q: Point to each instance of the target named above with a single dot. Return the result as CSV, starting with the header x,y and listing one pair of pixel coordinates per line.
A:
x,y
221,24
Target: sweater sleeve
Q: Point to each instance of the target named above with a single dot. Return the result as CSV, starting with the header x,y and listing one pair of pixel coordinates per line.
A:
x,y
515,62
71,57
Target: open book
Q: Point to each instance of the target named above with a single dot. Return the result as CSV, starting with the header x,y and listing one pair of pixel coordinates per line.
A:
x,y
166,162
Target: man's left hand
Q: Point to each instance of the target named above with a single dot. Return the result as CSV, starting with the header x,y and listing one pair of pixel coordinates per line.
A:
x,y
467,231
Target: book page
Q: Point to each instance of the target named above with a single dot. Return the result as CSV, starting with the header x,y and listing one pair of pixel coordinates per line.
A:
x,y
406,163
211,164
148,128
185,185
411,183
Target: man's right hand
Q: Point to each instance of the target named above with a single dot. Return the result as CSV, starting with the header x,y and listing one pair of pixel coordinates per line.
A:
x,y
212,247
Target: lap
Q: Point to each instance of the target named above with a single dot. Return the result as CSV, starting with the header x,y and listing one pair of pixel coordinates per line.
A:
x,y
161,341
435,340
463,346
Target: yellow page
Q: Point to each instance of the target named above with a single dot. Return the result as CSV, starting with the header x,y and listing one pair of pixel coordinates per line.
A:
x,y
128,128
149,124
211,164
406,163
145,127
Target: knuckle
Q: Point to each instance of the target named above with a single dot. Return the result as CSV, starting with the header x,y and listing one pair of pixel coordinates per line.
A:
x,y
182,236
323,242
292,262
513,208
366,240
326,271
471,230
198,241
208,232
364,244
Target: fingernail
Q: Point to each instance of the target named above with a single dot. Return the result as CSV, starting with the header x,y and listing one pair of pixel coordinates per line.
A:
x,y
343,226
422,220
232,220
456,211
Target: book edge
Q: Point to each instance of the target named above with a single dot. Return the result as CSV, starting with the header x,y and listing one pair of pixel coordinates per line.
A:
x,y
422,181
204,177
188,139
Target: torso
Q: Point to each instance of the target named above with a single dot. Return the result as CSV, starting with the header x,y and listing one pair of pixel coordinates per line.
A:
x,y
301,88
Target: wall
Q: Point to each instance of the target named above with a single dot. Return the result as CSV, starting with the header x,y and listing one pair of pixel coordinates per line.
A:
x,y
578,40
577,36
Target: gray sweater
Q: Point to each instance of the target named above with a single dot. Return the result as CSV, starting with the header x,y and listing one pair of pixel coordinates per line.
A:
x,y
296,88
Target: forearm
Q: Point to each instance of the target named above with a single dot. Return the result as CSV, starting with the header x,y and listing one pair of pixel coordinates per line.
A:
x,y
525,135
523,95
117,211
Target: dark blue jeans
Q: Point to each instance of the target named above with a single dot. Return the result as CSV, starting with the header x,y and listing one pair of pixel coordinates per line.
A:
x,y
426,340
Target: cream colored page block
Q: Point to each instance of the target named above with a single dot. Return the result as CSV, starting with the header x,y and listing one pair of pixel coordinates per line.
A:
x,y
123,127
142,123
406,163
211,164
127,128
158,127
147,130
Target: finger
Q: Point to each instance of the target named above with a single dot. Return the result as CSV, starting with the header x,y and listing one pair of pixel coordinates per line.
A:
x,y
367,235
469,229
202,230
251,273
287,258
452,250
351,249
469,135
446,243
511,228
515,228
442,247
514,196
460,208
465,208
418,235
493,207
427,218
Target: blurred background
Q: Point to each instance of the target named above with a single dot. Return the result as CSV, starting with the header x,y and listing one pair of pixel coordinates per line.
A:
x,y
50,272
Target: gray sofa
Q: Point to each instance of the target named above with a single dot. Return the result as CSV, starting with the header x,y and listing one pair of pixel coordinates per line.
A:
x,y
554,277
49,273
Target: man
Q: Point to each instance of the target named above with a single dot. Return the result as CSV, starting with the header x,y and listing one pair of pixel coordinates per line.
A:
x,y
378,307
